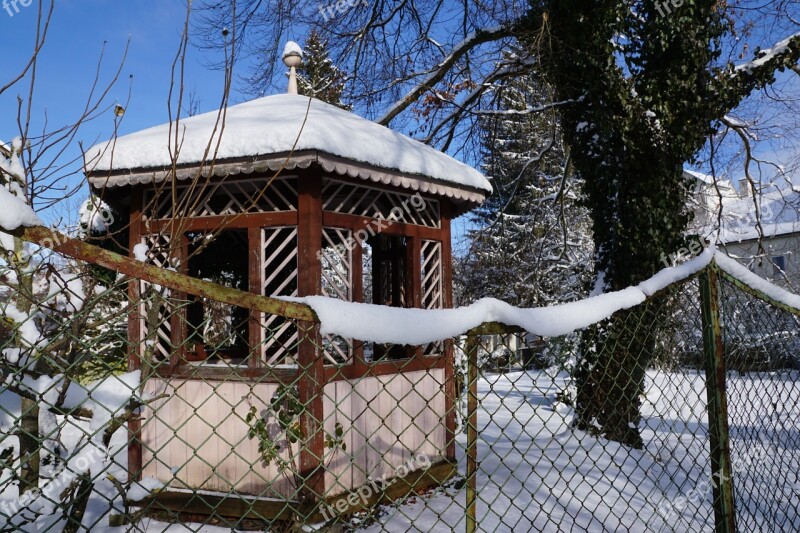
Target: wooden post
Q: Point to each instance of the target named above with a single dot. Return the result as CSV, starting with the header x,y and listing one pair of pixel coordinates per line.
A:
x,y
178,318
719,442
134,338
451,392
357,295
472,432
311,382
254,327
134,318
413,282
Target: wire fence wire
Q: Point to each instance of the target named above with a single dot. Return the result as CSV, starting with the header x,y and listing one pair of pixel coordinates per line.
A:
x,y
126,406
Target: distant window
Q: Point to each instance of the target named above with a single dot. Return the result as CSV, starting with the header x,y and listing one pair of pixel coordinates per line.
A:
x,y
778,265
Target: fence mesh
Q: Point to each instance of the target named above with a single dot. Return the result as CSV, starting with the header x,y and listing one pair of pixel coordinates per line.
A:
x,y
128,405
761,345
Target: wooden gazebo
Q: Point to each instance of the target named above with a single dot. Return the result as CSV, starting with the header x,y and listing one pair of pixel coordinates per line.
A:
x,y
302,198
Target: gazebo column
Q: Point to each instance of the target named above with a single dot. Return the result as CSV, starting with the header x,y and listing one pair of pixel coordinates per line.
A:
x,y
134,347
449,349
255,324
413,288
311,381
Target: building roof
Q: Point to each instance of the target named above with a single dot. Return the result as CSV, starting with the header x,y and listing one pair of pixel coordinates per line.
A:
x,y
779,215
779,211
284,131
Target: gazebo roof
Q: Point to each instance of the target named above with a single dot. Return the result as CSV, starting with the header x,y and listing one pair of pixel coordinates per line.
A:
x,y
284,131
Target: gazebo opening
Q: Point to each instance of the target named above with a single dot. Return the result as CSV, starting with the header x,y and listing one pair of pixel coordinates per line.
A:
x,y
217,332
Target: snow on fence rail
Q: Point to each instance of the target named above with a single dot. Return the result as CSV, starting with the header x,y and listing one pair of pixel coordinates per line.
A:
x,y
487,428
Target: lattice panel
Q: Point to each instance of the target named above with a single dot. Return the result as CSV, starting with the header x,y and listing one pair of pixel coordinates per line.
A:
x,y
347,198
279,278
336,257
432,290
432,284
156,309
230,197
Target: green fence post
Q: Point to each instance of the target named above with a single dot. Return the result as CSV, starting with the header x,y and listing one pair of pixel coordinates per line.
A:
x,y
718,434
472,432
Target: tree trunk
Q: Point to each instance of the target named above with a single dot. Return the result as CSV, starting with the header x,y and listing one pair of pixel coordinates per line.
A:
x,y
611,373
29,446
28,434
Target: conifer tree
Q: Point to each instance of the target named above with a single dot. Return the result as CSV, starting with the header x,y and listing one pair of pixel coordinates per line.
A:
x,y
531,244
318,76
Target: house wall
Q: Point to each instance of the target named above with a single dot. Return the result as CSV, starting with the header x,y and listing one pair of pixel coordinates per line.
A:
x,y
196,438
786,246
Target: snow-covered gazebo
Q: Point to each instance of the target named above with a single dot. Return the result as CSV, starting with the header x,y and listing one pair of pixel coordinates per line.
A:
x,y
302,198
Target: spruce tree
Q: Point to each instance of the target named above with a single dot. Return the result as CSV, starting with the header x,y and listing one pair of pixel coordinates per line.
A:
x,y
530,245
318,76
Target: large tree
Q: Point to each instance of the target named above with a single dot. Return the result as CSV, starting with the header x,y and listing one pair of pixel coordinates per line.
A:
x,y
641,86
648,91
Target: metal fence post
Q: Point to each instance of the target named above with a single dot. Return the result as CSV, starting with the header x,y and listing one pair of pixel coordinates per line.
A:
x,y
472,432
719,437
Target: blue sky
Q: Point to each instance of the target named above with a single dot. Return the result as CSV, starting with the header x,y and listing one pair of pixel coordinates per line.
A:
x,y
68,63
69,60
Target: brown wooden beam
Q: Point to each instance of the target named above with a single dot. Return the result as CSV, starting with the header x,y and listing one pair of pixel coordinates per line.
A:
x,y
382,368
134,338
249,220
255,272
208,373
311,382
231,510
397,488
218,507
355,223
167,278
449,386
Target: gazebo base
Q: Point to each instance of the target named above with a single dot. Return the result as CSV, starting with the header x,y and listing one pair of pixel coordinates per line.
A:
x,y
247,513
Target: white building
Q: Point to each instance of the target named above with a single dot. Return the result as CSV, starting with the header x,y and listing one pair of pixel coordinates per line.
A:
x,y
760,228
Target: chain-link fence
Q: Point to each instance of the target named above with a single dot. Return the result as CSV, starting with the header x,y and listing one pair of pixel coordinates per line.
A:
x,y
155,401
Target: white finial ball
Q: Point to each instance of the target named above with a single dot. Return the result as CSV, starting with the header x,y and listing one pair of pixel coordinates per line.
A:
x,y
292,54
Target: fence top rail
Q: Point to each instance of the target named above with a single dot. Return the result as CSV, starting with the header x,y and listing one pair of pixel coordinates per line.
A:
x,y
381,324
170,279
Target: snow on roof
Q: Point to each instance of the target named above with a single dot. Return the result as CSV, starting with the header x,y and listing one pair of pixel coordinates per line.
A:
x,y
277,124
779,214
708,179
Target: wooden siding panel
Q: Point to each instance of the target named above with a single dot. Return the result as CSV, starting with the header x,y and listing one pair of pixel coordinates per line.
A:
x,y
338,408
387,420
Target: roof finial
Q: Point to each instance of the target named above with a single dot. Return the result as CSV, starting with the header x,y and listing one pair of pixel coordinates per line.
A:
x,y
292,56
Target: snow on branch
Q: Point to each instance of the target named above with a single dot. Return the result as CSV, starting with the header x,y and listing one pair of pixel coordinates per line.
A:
x,y
437,73
783,52
746,77
15,213
526,111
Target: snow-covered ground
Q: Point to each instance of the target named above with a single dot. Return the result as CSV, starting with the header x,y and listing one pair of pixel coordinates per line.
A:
x,y
537,474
